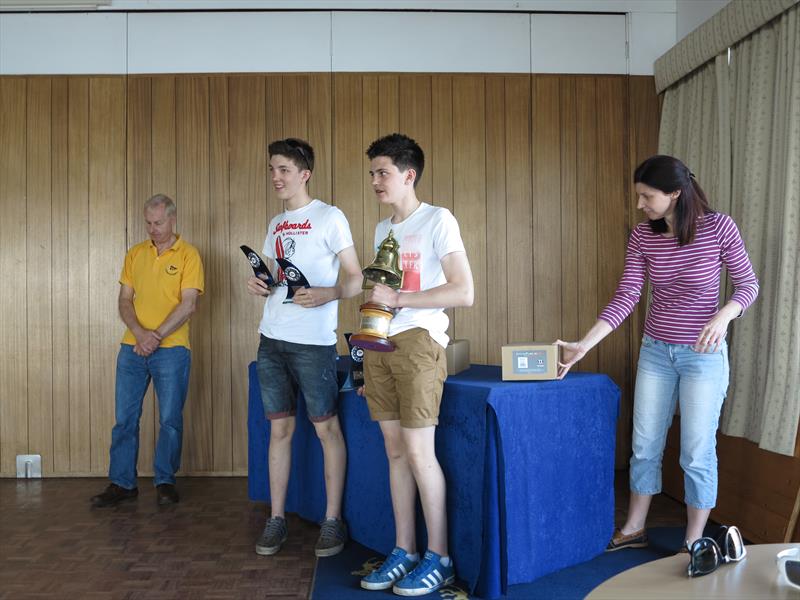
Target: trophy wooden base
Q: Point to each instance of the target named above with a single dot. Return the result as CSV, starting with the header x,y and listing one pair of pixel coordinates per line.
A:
x,y
374,330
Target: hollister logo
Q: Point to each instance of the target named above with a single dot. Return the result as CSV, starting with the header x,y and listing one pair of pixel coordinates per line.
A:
x,y
172,270
286,226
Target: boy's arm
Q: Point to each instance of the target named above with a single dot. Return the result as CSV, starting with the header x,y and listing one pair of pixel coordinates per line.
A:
x,y
457,292
349,283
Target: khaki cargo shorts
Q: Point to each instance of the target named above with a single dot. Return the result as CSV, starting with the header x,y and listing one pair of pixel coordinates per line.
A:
x,y
406,384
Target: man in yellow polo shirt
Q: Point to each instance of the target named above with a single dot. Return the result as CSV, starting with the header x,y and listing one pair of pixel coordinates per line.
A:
x,y
160,283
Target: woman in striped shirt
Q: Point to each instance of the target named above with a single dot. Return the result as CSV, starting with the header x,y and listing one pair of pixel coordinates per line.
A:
x,y
680,250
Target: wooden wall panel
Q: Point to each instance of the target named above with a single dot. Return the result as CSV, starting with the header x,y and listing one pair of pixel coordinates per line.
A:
x,y
546,256
569,211
192,197
348,188
80,432
496,217
440,154
364,233
519,210
612,239
531,167
106,247
248,221
60,276
13,265
222,250
589,206
469,204
39,292
320,133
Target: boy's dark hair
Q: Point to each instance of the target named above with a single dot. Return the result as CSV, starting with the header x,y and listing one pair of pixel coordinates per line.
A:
x,y
404,153
668,174
298,151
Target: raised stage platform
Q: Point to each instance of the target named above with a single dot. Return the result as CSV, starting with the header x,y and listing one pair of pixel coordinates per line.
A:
x,y
529,468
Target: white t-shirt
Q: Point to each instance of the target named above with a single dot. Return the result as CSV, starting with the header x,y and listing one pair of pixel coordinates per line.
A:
x,y
425,237
310,238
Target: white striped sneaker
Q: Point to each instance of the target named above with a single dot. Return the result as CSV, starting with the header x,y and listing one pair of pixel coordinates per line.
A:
x,y
429,576
396,566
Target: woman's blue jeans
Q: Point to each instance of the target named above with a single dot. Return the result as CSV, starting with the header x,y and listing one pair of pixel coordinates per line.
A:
x,y
169,370
667,374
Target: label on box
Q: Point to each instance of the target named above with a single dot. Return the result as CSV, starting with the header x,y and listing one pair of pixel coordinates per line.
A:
x,y
529,362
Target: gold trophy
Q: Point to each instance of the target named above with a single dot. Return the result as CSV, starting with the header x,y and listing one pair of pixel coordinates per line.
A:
x,y
375,318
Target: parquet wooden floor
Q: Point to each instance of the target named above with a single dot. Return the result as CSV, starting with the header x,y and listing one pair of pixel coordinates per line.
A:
x,y
53,545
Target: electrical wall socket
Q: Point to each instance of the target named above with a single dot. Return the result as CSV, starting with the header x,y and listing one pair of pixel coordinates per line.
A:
x,y
29,466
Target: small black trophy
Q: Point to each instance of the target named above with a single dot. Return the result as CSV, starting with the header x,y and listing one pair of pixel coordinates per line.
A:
x,y
294,277
356,376
259,268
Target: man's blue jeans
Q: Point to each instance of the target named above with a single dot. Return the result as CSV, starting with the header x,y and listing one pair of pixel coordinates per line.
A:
x,y
169,370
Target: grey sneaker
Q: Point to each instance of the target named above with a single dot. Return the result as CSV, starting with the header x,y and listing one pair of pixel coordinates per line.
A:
x,y
332,536
271,540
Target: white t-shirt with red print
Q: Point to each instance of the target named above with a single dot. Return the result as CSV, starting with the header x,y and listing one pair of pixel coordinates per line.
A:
x,y
425,237
310,238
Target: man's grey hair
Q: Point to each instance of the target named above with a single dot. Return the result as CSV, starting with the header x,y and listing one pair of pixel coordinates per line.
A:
x,y
162,199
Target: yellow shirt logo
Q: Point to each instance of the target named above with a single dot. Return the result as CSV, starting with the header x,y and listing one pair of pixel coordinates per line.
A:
x,y
172,270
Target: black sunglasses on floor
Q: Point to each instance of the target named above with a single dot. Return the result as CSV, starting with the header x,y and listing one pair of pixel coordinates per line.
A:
x,y
707,554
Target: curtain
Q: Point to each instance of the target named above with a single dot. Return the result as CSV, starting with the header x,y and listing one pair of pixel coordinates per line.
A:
x,y
695,128
764,400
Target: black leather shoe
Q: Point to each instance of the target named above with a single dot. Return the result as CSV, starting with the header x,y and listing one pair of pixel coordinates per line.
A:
x,y
113,495
166,494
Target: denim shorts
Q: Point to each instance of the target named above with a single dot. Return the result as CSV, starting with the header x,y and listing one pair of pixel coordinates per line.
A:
x,y
285,367
670,375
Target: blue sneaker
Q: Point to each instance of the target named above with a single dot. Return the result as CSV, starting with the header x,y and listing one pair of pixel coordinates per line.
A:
x,y
429,576
396,566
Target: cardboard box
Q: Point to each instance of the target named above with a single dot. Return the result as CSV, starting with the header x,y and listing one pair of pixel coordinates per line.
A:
x,y
530,361
457,353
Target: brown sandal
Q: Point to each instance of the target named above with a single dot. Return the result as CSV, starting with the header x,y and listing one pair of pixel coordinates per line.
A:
x,y
637,539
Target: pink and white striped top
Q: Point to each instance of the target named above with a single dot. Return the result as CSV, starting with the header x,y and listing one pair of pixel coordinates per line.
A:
x,y
685,280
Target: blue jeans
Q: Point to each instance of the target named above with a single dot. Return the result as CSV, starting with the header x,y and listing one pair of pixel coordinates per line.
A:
x,y
169,370
667,374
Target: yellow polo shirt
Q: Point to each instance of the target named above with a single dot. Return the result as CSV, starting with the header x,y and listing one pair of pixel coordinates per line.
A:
x,y
157,283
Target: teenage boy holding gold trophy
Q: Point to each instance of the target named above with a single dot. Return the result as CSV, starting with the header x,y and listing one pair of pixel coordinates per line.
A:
x,y
404,378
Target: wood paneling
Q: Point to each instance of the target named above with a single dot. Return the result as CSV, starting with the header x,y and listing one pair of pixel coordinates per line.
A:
x,y
39,275
60,276
535,168
218,270
469,204
80,432
13,266
106,249
758,490
248,222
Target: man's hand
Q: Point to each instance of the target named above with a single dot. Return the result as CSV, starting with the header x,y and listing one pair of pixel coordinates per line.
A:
x,y
147,342
383,294
314,296
360,391
256,287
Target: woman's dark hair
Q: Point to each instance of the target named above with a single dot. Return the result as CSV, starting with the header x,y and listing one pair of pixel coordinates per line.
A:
x,y
668,174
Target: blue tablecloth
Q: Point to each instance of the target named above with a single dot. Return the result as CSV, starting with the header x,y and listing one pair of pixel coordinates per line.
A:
x,y
529,469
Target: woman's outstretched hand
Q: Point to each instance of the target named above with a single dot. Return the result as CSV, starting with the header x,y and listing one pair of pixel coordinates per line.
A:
x,y
571,352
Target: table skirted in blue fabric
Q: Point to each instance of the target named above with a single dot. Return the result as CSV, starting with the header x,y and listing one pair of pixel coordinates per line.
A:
x,y
529,469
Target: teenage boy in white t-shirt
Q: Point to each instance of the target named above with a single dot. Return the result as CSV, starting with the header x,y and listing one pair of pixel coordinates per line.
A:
x,y
298,337
404,387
